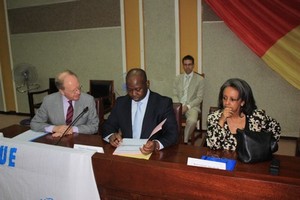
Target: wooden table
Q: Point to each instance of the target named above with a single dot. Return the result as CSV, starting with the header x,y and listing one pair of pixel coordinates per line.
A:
x,y
166,175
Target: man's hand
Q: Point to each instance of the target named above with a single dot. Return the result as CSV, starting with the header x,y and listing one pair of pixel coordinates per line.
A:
x,y
185,108
149,147
115,139
58,131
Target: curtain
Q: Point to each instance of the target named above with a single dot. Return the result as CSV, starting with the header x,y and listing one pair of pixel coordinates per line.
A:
x,y
270,28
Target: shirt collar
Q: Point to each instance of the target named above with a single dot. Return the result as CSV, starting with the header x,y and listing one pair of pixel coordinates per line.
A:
x,y
188,75
145,99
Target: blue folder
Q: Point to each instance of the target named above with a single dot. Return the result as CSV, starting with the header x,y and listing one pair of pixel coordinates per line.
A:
x,y
230,163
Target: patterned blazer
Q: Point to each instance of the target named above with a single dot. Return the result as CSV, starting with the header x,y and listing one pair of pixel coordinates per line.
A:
x,y
221,138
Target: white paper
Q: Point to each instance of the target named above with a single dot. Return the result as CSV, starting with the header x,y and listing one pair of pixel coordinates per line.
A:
x,y
127,150
88,148
29,135
133,142
130,146
206,163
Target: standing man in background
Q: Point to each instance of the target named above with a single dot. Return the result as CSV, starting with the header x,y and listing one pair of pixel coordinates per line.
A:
x,y
188,89
59,109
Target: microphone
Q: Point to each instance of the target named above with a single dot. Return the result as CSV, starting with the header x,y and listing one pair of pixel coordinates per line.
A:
x,y
72,123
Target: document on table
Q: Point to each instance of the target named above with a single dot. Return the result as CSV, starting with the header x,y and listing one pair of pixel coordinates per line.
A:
x,y
131,147
29,135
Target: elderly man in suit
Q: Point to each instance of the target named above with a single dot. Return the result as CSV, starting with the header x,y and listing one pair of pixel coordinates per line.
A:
x,y
59,109
138,113
188,89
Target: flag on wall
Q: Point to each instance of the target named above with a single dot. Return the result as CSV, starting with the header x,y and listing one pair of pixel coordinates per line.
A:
x,y
270,28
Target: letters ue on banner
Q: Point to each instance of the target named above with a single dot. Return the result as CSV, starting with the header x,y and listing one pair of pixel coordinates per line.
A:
x,y
7,155
30,170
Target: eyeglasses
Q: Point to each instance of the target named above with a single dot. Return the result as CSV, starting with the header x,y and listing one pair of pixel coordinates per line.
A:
x,y
230,99
76,90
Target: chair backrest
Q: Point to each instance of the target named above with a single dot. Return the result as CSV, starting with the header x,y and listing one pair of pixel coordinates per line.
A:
x,y
177,107
52,86
101,88
201,74
212,109
32,100
104,89
100,112
35,97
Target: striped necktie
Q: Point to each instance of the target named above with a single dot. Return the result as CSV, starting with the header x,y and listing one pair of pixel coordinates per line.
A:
x,y
70,111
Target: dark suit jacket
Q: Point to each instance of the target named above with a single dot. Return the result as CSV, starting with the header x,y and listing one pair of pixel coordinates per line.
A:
x,y
158,109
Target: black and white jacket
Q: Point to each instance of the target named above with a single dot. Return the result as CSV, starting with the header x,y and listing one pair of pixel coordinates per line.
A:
x,y
221,138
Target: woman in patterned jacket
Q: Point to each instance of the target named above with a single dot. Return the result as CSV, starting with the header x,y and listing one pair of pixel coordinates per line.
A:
x,y
237,110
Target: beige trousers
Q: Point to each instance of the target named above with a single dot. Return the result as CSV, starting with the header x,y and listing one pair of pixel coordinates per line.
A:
x,y
191,122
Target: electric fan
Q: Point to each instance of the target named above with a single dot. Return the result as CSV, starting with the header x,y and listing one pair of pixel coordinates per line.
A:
x,y
25,77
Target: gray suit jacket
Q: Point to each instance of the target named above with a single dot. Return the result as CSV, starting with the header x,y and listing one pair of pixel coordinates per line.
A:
x,y
51,112
195,90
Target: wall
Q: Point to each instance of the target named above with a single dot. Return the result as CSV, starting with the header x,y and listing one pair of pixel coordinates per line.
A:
x,y
225,56
92,54
67,35
96,53
159,22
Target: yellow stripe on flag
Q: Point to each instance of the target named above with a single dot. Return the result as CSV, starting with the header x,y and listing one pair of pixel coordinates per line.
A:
x,y
284,57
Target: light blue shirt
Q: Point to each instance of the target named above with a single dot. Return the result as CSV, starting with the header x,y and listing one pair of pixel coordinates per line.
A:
x,y
134,105
134,109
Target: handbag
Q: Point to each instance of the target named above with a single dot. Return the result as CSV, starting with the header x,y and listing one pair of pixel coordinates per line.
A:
x,y
255,146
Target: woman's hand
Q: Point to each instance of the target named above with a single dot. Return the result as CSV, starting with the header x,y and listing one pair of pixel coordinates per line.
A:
x,y
227,113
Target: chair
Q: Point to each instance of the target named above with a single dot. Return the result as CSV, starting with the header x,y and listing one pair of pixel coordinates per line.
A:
x,y
212,109
100,112
177,107
35,98
105,90
198,128
52,86
298,147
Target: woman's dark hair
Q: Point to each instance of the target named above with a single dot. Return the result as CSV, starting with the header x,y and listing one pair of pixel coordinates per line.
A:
x,y
245,94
